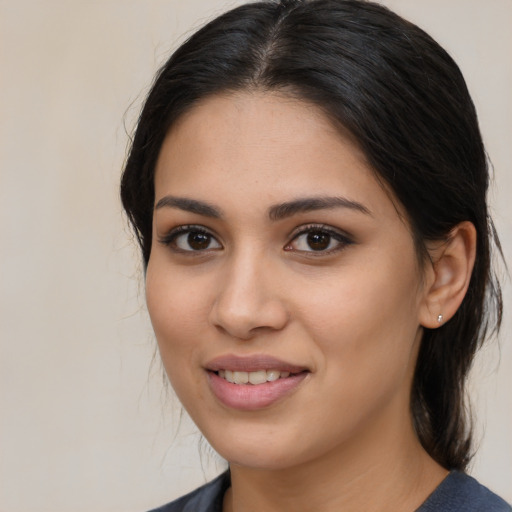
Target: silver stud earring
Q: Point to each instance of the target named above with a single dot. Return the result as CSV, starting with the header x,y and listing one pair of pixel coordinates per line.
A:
x,y
440,319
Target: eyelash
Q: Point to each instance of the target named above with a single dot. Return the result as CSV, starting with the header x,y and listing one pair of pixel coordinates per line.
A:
x,y
343,240
170,238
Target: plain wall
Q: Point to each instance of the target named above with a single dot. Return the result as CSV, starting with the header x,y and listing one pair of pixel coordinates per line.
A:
x,y
85,422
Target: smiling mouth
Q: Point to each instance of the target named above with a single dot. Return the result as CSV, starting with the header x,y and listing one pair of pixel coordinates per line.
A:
x,y
253,383
254,378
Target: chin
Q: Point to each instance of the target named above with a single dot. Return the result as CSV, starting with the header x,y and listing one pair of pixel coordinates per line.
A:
x,y
261,448
262,461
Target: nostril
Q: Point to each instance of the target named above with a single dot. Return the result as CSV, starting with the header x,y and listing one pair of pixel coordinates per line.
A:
x,y
247,321
247,301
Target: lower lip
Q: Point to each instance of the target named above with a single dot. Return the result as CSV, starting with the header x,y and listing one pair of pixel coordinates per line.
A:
x,y
250,397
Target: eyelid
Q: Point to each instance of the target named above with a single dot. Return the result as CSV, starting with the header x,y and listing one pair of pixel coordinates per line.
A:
x,y
168,238
304,228
342,237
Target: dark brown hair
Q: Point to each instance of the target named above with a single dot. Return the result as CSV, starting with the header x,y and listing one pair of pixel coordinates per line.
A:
x,y
404,100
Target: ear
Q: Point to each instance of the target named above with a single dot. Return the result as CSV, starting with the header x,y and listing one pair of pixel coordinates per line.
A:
x,y
448,274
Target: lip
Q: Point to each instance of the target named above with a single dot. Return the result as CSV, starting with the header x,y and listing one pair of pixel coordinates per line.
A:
x,y
252,363
248,397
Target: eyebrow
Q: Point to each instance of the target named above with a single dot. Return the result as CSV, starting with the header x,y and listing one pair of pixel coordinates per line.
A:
x,y
189,205
308,204
275,213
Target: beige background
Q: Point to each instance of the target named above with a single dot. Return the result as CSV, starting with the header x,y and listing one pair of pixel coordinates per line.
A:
x,y
85,425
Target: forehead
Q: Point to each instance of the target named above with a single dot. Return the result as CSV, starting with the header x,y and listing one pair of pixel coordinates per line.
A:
x,y
264,146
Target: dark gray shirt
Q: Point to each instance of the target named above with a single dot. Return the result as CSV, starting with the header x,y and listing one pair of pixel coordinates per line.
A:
x,y
458,492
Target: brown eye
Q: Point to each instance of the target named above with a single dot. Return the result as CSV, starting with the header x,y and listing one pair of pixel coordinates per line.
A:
x,y
198,241
191,239
318,240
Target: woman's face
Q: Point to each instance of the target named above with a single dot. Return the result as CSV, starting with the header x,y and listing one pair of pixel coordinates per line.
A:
x,y
278,258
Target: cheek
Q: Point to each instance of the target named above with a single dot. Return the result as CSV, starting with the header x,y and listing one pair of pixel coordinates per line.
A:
x,y
367,322
174,311
366,336
175,300
174,308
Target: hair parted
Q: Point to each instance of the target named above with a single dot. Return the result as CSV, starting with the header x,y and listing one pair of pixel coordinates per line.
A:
x,y
405,102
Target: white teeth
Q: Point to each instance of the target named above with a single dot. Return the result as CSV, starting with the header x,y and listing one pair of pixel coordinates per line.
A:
x,y
240,377
255,378
258,377
273,375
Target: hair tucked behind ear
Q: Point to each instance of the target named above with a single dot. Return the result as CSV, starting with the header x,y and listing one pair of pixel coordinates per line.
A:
x,y
406,103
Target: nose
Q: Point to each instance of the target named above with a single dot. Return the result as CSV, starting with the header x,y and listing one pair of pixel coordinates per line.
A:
x,y
248,300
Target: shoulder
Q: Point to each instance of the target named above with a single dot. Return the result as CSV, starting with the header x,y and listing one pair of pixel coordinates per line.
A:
x,y
459,492
207,498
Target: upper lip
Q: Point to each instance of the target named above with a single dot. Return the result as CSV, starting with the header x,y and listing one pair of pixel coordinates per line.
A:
x,y
252,363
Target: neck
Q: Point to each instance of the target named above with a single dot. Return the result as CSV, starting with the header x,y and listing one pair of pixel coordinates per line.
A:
x,y
394,474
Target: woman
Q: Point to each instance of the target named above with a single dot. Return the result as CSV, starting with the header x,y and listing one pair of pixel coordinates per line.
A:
x,y
308,187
